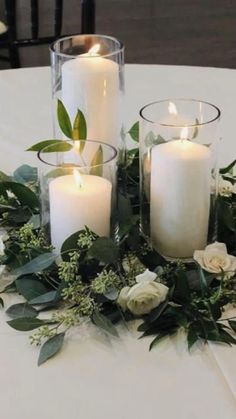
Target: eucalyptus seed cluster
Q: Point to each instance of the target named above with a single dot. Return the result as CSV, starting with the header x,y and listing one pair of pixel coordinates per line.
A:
x,y
79,294
132,267
68,270
105,281
75,291
27,238
229,289
67,318
44,332
86,239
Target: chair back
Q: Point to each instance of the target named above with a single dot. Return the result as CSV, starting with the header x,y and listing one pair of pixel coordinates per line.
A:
x,y
13,42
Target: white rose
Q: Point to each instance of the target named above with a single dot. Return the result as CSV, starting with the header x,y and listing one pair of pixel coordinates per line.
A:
x,y
215,258
144,296
123,298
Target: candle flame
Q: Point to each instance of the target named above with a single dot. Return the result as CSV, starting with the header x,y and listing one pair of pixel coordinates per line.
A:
x,y
172,108
184,133
94,50
77,177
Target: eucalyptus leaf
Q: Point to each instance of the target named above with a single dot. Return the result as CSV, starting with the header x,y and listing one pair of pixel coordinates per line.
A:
x,y
193,279
24,194
48,297
227,338
159,140
232,324
221,336
38,264
192,337
104,323
30,288
232,179
51,146
64,119
70,245
35,221
157,312
227,169
112,294
157,339
21,310
50,348
1,302
25,173
225,214
181,292
104,250
96,163
150,139
25,324
10,288
80,128
134,131
202,279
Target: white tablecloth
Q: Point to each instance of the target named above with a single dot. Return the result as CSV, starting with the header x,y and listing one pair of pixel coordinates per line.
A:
x,y
95,377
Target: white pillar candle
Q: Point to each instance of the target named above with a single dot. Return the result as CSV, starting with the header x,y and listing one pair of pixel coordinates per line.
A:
x,y
74,206
91,83
180,197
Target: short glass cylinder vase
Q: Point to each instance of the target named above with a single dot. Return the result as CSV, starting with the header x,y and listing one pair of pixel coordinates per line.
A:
x,y
179,175
88,75
78,189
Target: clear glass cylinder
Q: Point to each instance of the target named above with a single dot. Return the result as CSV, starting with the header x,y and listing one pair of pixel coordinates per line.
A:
x,y
88,74
179,175
78,189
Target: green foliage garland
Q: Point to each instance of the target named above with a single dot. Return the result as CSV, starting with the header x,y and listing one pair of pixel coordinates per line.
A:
x,y
86,279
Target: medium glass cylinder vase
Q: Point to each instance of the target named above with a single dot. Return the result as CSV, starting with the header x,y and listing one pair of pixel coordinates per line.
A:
x,y
179,175
88,75
78,189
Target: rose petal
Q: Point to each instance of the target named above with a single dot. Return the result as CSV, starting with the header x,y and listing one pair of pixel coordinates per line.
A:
x,y
217,246
146,276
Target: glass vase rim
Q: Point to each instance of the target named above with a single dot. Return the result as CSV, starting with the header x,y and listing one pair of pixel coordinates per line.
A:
x,y
199,124
109,160
110,54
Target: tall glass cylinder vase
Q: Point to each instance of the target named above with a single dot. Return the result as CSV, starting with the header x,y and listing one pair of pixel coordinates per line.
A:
x,y
78,190
88,75
179,175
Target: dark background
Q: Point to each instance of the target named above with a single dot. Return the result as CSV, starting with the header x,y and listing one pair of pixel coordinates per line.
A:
x,y
187,32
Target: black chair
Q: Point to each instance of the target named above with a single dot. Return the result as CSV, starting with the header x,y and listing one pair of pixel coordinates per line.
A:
x,y
11,42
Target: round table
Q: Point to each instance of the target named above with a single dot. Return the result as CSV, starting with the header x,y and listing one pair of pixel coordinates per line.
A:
x,y
95,376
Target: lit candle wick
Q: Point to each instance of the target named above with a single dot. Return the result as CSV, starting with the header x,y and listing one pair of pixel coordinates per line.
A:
x,y
78,179
184,134
77,146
